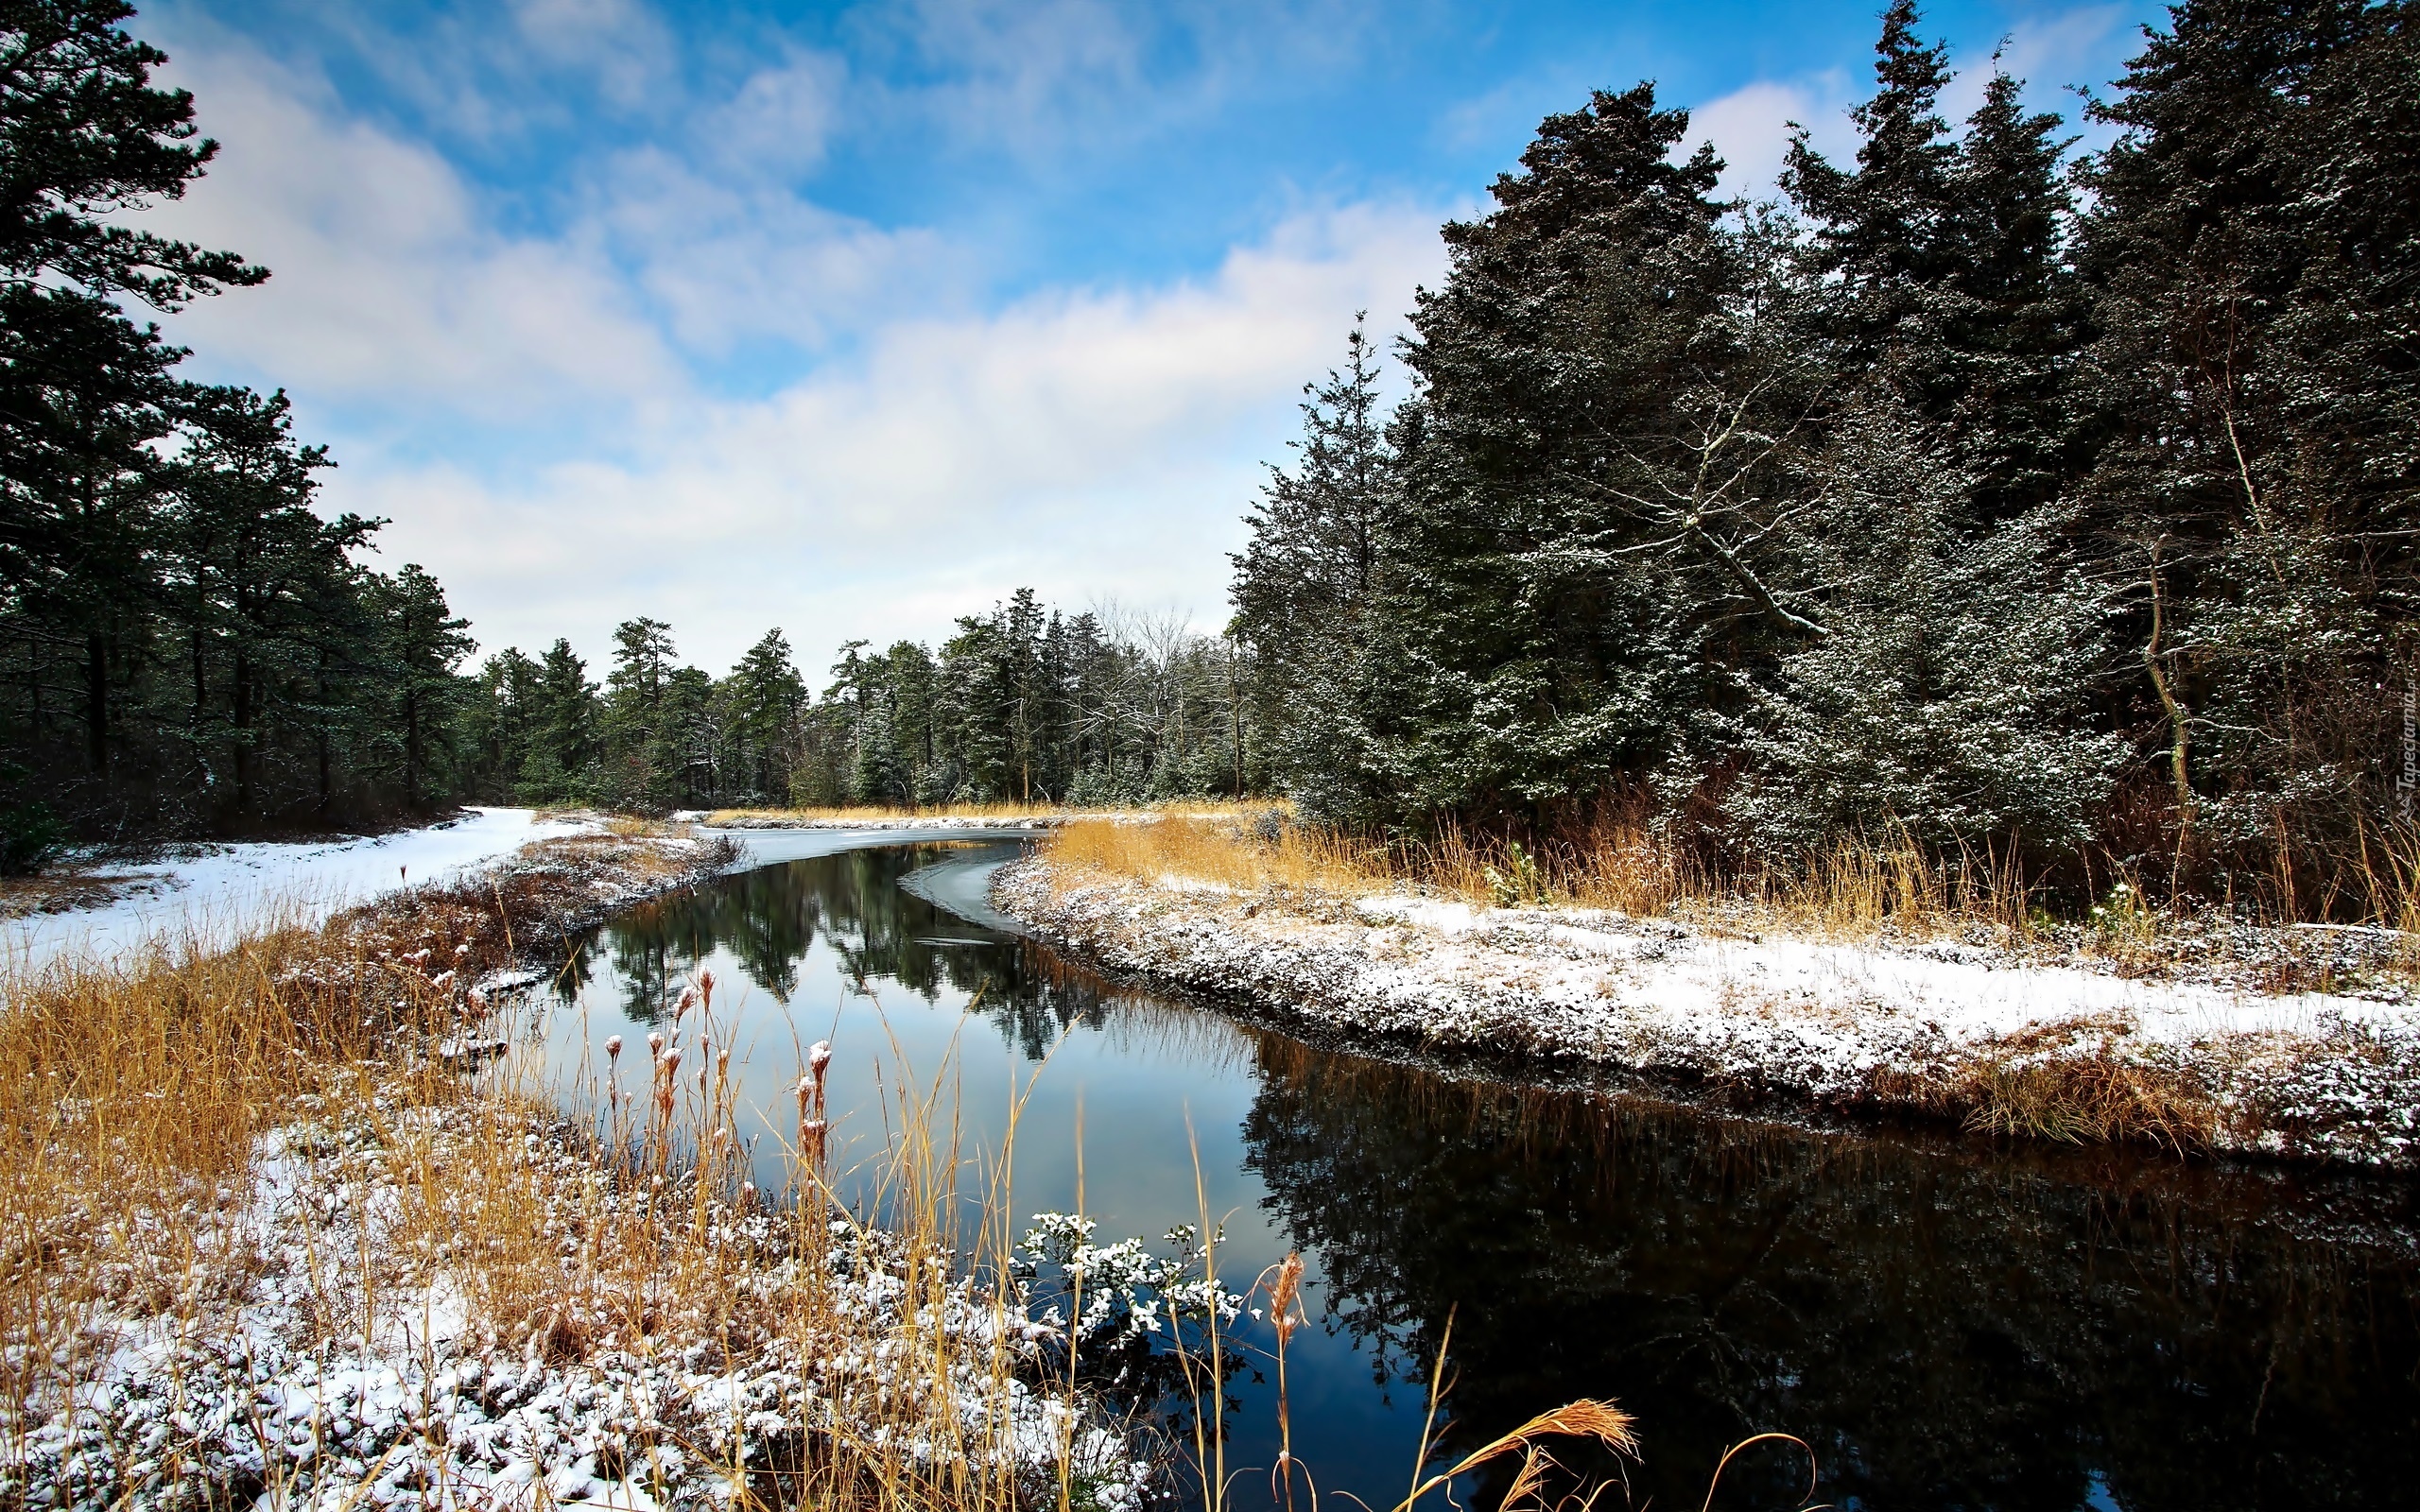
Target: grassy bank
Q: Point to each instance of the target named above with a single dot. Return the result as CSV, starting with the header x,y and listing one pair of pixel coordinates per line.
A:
x,y
265,1241
1879,985
1852,892
977,814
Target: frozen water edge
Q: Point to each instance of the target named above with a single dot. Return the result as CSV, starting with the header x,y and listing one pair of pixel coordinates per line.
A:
x,y
231,891
2309,1074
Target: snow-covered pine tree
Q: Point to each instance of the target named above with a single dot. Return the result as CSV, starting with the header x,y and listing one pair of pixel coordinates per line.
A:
x,y
1598,480
1950,698
1303,585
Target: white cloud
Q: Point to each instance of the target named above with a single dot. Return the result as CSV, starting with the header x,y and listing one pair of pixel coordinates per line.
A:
x,y
2080,45
725,261
620,43
1089,443
387,280
911,456
778,120
1083,444
1751,127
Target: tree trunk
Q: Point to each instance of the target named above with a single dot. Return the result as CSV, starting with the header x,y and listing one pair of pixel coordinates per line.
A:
x,y
2178,732
240,700
96,703
411,750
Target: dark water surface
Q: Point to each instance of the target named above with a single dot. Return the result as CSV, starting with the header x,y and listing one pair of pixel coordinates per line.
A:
x,y
1949,1323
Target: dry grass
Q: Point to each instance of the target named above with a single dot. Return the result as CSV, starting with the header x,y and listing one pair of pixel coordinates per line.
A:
x,y
1854,891
876,813
2329,1092
143,1095
1851,890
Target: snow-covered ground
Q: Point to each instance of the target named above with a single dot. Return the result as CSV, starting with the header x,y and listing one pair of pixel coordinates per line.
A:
x,y
376,1383
2323,1074
366,1318
227,890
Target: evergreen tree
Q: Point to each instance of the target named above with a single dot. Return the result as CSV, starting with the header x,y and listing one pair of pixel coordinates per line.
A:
x,y
564,735
500,723
1937,269
423,644
2254,282
1303,585
1949,701
263,584
767,697
1596,501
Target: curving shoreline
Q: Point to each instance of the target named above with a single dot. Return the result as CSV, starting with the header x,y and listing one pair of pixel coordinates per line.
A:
x,y
1850,1030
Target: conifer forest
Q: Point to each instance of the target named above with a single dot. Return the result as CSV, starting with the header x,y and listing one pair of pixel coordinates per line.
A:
x,y
1973,488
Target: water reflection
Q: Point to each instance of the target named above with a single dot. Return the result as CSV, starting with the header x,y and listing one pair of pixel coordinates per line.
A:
x,y
1947,1330
1949,1326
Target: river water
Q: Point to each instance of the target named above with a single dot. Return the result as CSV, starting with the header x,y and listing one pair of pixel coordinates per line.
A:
x,y
1948,1322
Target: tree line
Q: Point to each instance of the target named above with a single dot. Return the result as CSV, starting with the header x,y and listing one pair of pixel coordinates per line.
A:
x,y
1971,489
1021,704
186,645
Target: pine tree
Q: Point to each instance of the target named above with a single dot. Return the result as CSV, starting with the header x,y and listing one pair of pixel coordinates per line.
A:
x,y
267,588
424,642
631,723
557,769
1304,584
766,697
1937,271
1597,503
2253,391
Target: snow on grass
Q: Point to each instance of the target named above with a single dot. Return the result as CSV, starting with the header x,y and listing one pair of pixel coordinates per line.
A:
x,y
342,1362
2062,1050
327,1273
229,892
915,821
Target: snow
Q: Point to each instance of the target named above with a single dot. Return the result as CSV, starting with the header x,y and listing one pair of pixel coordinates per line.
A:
x,y
229,890
2330,1075
428,1407
916,821
1670,967
320,1329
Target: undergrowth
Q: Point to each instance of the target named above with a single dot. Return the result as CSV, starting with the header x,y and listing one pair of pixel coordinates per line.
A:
x,y
1856,889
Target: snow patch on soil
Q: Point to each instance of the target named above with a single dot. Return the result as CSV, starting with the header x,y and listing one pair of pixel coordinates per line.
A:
x,y
227,891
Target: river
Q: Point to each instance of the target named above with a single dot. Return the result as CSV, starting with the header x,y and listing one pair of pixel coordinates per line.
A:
x,y
1948,1322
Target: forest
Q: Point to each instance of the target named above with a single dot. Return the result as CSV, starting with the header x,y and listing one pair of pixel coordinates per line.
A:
x,y
1972,489
1977,492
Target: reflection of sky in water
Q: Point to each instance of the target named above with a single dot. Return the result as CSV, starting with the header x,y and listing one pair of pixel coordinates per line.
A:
x,y
1950,1325
969,1018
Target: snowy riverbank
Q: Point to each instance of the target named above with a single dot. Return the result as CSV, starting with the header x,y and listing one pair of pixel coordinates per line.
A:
x,y
2057,1050
404,1290
404,1376
217,893
934,822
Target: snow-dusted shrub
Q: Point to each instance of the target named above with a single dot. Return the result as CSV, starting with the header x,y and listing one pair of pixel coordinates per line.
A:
x,y
1946,694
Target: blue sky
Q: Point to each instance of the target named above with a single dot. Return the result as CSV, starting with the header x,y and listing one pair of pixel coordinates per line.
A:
x,y
851,318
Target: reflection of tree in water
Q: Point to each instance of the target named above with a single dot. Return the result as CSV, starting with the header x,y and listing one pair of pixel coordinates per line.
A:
x,y
769,918
653,949
1947,1330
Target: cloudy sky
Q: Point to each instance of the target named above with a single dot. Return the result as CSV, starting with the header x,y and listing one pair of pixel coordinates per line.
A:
x,y
851,318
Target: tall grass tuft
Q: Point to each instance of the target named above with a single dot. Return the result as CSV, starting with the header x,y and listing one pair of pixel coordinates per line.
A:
x,y
146,1097
1859,886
